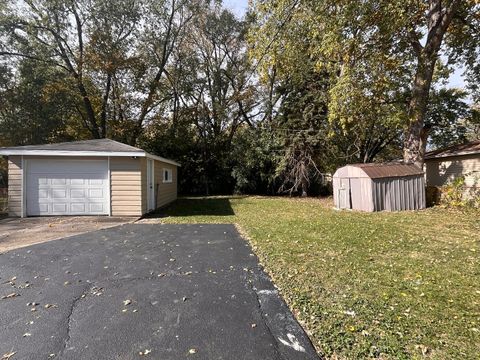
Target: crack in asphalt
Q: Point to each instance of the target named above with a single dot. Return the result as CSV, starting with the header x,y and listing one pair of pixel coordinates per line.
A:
x,y
66,340
104,286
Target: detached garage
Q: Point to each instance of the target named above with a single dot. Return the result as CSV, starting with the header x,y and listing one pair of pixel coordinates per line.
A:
x,y
92,177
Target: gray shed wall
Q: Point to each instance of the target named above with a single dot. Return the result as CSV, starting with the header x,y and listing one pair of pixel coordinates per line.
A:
x,y
396,194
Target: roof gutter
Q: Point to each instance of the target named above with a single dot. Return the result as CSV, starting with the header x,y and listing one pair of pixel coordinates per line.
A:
x,y
18,152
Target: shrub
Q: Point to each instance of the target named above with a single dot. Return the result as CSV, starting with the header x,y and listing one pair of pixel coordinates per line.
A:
x,y
457,194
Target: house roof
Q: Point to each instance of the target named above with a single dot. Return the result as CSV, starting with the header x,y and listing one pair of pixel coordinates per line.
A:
x,y
455,150
97,147
378,171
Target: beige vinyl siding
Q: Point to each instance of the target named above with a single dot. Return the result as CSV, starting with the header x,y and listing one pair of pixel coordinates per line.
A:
x,y
165,192
15,186
442,171
126,186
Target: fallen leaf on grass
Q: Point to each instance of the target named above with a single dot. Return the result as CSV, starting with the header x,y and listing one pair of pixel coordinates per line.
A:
x,y
424,349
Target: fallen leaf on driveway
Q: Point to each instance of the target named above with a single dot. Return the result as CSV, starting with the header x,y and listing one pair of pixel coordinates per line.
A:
x,y
7,356
9,296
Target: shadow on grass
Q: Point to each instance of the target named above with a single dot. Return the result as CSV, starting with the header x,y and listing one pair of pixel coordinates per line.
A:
x,y
197,206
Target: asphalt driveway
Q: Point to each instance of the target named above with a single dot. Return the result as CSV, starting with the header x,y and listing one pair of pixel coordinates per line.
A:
x,y
141,291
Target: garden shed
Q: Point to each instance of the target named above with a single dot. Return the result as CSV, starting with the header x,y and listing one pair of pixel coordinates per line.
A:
x,y
379,187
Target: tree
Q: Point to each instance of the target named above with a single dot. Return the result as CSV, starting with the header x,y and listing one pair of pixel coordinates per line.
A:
x,y
448,118
372,51
109,50
209,89
34,110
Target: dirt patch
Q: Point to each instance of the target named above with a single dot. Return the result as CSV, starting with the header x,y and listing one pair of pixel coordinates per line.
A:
x,y
17,232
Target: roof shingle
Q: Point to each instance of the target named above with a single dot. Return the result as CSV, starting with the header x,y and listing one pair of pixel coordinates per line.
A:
x,y
106,145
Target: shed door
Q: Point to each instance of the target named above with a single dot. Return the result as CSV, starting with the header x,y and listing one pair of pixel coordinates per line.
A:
x,y
67,187
344,194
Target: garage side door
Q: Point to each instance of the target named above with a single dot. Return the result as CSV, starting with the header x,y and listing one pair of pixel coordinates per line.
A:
x,y
67,187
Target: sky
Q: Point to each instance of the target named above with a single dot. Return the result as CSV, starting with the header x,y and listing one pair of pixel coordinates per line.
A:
x,y
239,7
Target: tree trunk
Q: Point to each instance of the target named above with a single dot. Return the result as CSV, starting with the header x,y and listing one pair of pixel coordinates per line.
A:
x,y
439,17
416,135
89,110
103,116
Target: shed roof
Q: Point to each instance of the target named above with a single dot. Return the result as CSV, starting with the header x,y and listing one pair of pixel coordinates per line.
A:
x,y
96,147
377,171
455,150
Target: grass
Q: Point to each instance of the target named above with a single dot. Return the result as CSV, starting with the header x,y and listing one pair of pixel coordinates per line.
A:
x,y
380,285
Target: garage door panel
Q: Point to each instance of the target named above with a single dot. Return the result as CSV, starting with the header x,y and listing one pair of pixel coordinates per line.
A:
x,y
95,181
67,187
96,207
59,193
60,208
43,193
96,193
78,208
77,193
77,182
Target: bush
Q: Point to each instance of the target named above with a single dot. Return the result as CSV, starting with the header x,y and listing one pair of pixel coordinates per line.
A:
x,y
456,194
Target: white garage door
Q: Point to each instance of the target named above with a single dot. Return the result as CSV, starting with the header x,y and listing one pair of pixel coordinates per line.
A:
x,y
67,187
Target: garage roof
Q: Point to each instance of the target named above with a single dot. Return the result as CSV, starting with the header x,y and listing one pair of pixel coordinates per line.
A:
x,y
97,147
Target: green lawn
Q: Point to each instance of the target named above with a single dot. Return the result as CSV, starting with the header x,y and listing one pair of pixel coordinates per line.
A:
x,y
388,285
